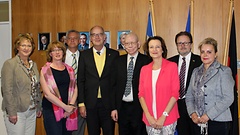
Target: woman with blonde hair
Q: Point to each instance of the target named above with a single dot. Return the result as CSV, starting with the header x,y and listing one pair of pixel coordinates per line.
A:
x,y
20,89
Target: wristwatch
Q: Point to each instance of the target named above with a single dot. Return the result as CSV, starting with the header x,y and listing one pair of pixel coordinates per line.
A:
x,y
165,114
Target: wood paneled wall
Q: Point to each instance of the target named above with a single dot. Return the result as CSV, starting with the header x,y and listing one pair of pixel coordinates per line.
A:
x,y
38,16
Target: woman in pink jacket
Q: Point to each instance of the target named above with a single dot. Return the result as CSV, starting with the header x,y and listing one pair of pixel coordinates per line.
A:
x,y
159,90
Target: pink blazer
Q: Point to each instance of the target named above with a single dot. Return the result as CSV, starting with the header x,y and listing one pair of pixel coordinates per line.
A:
x,y
167,86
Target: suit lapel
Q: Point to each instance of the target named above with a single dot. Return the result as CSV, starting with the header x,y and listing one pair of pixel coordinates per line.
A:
x,y
107,61
21,66
213,70
92,62
192,65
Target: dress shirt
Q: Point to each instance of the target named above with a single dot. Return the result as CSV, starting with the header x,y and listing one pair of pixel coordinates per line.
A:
x,y
180,61
129,98
69,57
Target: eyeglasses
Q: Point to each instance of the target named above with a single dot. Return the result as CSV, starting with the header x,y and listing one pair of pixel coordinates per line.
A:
x,y
97,35
183,43
130,43
72,38
57,50
26,46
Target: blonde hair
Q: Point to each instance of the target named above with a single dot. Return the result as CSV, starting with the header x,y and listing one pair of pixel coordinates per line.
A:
x,y
20,38
210,41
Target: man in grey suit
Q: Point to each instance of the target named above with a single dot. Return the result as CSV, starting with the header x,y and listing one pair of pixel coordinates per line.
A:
x,y
184,42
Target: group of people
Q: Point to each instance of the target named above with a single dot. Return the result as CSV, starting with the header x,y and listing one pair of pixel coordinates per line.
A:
x,y
144,94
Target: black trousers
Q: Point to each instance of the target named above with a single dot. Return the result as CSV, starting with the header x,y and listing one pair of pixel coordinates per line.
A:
x,y
130,119
99,117
215,128
185,125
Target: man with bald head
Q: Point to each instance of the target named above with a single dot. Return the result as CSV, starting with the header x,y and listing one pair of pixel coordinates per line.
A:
x,y
94,78
126,109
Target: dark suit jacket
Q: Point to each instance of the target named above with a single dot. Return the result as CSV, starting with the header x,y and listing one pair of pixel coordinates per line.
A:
x,y
41,47
81,47
89,81
121,79
194,62
120,46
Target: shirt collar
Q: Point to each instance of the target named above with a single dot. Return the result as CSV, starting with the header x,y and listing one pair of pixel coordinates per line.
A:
x,y
187,57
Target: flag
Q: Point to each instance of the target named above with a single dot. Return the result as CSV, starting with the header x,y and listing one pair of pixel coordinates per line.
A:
x,y
149,26
188,25
232,63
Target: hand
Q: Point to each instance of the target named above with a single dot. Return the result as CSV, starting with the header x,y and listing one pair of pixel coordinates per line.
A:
x,y
82,111
13,119
66,114
160,122
151,120
39,114
195,118
114,115
204,118
69,108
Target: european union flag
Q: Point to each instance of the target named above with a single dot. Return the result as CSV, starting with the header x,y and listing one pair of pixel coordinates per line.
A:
x,y
149,26
188,25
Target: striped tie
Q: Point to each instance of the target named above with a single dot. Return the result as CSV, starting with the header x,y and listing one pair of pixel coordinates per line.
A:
x,y
182,91
129,78
74,65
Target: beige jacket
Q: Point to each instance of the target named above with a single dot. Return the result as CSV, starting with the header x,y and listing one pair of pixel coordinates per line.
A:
x,y
16,87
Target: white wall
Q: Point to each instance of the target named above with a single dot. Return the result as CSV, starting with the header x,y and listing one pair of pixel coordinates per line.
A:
x,y
5,53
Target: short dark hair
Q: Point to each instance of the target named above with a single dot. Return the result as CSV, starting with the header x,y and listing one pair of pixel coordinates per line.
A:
x,y
163,45
84,35
184,33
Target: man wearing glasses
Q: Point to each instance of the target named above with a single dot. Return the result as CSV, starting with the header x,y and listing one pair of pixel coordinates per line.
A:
x,y
127,110
94,89
190,61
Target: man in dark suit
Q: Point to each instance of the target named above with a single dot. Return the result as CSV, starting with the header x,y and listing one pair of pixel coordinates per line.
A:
x,y
83,42
184,42
43,43
94,78
126,107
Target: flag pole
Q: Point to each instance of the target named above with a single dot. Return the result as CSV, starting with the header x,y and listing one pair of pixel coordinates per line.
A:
x,y
192,21
153,17
225,56
191,13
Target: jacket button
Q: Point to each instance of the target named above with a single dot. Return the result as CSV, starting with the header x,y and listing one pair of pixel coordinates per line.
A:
x,y
205,103
205,86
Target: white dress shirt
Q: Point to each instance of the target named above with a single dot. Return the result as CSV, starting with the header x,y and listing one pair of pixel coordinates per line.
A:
x,y
69,57
129,98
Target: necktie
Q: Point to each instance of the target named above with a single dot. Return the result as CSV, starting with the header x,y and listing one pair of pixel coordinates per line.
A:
x,y
74,65
182,91
98,53
129,77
